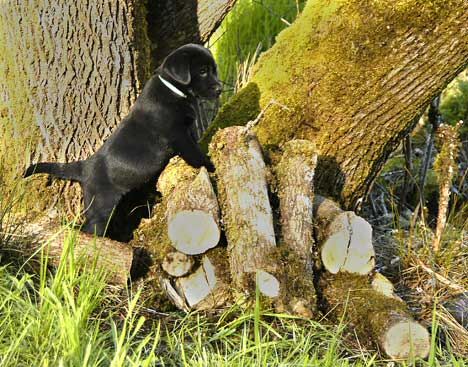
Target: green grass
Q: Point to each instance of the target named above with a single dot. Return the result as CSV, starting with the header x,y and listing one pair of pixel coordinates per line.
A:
x,y
250,23
70,318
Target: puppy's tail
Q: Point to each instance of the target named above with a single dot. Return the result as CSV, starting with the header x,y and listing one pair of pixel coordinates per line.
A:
x,y
66,171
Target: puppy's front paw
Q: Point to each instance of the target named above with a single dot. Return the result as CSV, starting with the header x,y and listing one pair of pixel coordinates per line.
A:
x,y
209,166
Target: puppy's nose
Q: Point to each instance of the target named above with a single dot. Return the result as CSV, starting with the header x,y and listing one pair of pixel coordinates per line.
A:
x,y
218,90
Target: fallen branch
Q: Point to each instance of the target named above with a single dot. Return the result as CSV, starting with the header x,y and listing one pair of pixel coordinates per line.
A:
x,y
112,257
375,317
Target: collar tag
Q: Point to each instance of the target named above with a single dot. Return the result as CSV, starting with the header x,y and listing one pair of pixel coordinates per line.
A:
x,y
172,87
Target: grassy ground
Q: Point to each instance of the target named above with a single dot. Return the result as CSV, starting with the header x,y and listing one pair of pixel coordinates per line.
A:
x,y
67,317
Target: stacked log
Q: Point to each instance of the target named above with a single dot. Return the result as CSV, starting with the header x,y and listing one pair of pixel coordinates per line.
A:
x,y
295,177
344,239
181,235
197,270
376,315
247,213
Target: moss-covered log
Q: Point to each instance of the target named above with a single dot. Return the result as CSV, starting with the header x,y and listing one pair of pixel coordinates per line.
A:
x,y
189,282
354,74
192,212
89,252
344,239
246,210
295,175
374,317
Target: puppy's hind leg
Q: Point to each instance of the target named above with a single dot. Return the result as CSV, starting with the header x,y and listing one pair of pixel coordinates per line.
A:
x,y
99,206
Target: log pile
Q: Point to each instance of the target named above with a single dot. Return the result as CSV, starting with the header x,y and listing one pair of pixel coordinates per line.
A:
x,y
215,245
315,243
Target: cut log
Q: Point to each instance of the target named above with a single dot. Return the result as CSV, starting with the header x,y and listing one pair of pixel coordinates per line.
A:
x,y
247,214
374,317
345,239
95,253
295,176
207,288
384,286
192,211
177,264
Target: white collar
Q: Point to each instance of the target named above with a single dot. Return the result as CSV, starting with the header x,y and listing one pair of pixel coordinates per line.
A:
x,y
172,87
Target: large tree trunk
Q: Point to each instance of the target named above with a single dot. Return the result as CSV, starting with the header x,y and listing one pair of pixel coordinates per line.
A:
x,y
70,71
353,76
177,22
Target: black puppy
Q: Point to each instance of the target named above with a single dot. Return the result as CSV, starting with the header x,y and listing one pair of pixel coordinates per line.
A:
x,y
156,129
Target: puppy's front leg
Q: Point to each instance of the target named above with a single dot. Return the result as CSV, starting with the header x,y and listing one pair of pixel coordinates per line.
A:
x,y
188,149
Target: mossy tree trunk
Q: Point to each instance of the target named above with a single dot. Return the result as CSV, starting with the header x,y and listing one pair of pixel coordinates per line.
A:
x,y
353,75
70,71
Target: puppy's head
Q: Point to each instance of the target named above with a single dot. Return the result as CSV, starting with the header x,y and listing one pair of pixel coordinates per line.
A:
x,y
193,69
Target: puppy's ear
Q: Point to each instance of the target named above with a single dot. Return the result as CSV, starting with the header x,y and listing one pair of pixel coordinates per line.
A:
x,y
177,67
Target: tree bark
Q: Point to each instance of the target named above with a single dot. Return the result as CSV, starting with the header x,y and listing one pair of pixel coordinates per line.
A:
x,y
70,71
181,21
375,315
295,175
247,214
354,75
90,252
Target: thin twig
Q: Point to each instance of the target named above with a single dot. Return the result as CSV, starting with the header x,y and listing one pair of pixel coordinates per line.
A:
x,y
251,124
440,278
434,120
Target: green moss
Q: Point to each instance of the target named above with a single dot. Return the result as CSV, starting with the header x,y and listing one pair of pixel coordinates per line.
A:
x,y
297,285
365,310
321,70
243,107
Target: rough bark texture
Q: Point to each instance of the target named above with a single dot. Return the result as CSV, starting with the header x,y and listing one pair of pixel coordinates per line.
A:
x,y
246,210
354,74
72,70
181,21
295,175
375,317
92,253
344,239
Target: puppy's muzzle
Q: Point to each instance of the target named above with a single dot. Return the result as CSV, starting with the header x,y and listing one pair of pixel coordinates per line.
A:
x,y
217,90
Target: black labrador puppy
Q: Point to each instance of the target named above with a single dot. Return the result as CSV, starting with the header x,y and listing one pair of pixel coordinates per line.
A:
x,y
156,129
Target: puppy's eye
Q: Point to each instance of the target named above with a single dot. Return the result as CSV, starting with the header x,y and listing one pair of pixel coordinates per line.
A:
x,y
203,71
